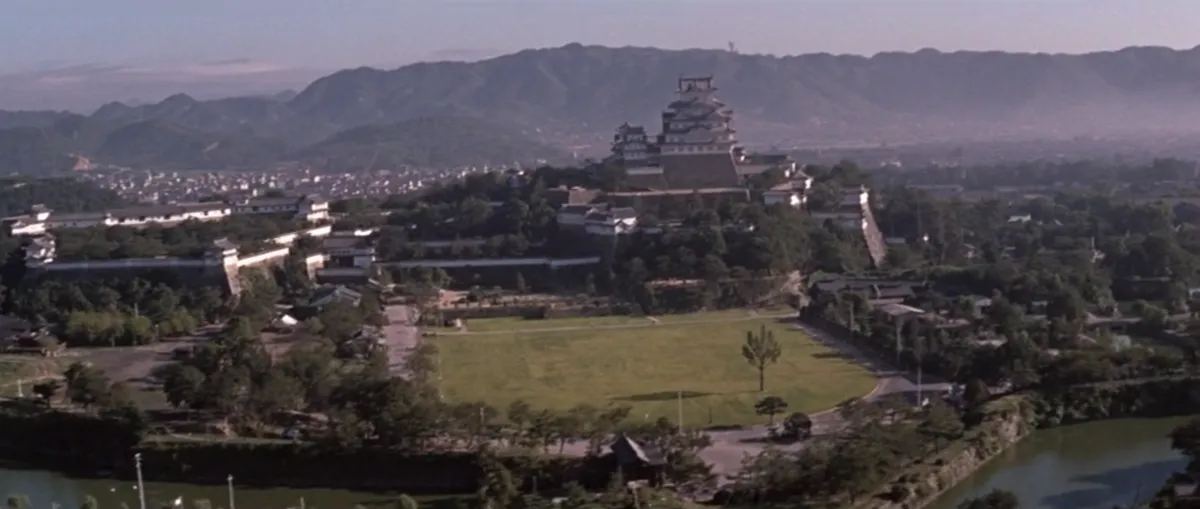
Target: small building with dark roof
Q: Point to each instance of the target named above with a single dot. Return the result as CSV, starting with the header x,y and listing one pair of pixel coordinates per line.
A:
x,y
638,461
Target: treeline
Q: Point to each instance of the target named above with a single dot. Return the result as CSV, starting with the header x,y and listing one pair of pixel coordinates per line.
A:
x,y
187,239
336,393
1083,173
1024,354
701,239
60,194
143,309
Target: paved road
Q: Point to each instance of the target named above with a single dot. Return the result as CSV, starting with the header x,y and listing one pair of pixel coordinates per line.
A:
x,y
401,335
730,448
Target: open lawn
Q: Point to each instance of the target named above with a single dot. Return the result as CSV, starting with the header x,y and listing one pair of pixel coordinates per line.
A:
x,y
517,323
646,367
524,324
28,368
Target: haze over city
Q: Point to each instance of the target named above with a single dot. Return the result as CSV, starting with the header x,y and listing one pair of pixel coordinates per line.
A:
x,y
75,53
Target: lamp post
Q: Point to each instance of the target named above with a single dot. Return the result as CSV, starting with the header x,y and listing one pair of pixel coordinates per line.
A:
x,y
137,461
229,480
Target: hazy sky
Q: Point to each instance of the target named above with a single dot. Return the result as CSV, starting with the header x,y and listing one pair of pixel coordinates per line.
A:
x,y
79,54
330,34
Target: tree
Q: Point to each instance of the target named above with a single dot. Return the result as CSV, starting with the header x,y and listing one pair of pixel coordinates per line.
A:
x,y
975,393
86,385
46,390
183,385
770,406
761,350
996,499
798,425
941,423
1186,439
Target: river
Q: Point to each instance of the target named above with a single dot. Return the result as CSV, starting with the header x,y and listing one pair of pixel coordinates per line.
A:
x,y
1089,466
1097,465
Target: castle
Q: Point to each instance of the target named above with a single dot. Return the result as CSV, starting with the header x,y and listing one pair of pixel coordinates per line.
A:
x,y
697,148
697,153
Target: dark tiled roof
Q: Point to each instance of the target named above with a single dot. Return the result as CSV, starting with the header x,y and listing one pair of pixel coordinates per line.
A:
x,y
77,216
598,216
146,211
330,294
623,213
343,242
628,450
695,171
647,182
204,206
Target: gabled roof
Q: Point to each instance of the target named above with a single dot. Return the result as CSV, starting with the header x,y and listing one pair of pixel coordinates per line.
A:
x,y
327,295
628,450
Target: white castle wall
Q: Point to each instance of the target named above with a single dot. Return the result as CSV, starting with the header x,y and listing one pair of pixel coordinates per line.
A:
x,y
273,255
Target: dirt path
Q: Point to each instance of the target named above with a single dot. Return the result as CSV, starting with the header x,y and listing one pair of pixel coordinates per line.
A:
x,y
651,322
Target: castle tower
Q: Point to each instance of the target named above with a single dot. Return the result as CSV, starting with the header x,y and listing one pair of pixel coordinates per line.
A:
x,y
697,122
698,139
630,146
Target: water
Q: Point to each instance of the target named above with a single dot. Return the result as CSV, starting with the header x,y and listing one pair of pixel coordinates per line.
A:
x,y
1088,466
46,488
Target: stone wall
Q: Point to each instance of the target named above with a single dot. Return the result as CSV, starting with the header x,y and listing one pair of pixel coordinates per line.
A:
x,y
1009,419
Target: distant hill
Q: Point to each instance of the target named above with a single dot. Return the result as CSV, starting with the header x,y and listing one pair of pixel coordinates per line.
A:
x,y
428,142
576,95
61,194
112,139
31,118
32,150
890,96
159,143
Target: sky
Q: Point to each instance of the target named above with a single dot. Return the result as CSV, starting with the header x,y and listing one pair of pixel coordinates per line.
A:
x,y
52,43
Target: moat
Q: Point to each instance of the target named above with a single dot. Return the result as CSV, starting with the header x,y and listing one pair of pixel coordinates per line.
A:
x,y
1095,465
1098,465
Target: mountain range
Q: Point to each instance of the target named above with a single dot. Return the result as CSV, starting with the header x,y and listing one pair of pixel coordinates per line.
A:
x,y
575,95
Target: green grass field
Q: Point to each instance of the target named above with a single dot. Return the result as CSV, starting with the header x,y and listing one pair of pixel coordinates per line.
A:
x,y
518,323
523,324
24,367
646,367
